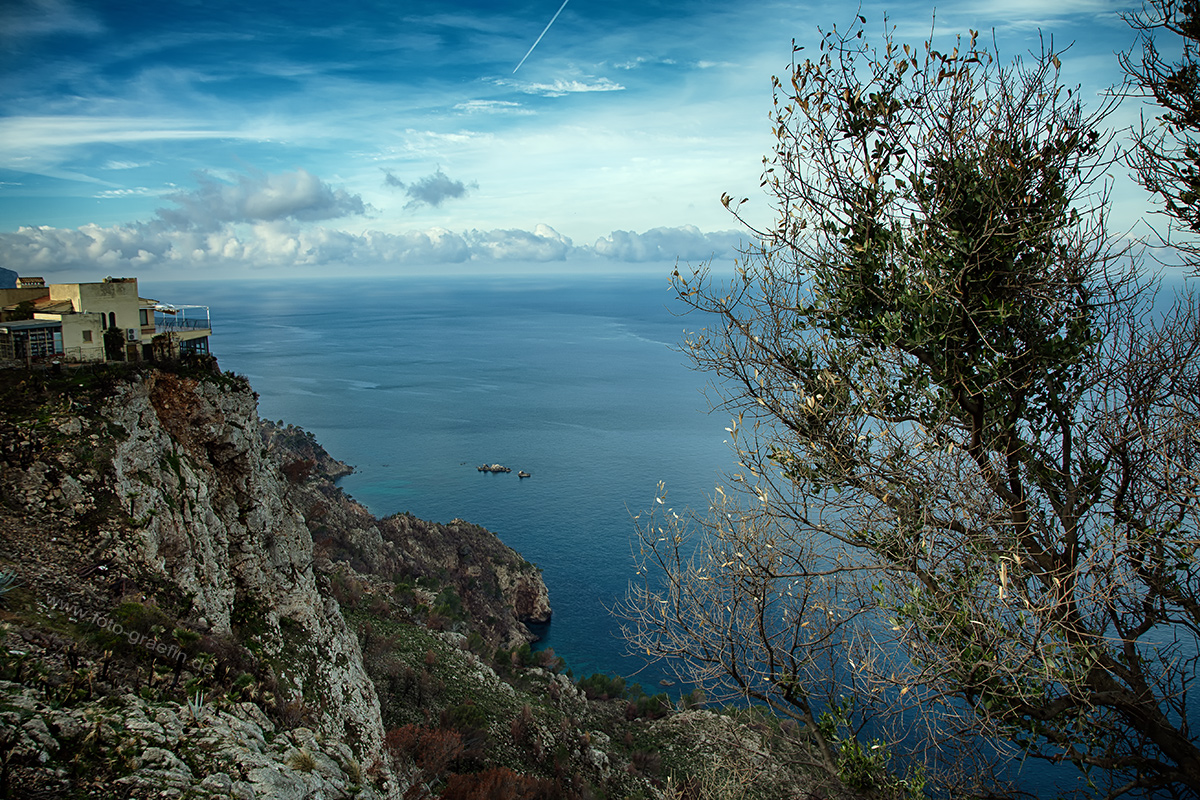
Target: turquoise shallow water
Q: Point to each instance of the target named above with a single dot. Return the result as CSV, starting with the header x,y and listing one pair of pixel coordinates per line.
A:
x,y
415,382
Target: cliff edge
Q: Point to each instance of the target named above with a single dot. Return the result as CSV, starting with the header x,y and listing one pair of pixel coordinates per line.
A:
x,y
152,529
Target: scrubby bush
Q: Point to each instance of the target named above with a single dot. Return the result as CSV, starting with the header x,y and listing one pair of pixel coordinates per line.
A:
x,y
599,686
299,470
431,749
648,707
499,783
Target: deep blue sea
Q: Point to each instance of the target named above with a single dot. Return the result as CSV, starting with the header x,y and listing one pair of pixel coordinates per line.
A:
x,y
416,381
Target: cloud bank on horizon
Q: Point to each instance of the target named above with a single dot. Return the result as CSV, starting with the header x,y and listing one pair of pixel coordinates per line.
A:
x,y
259,220
254,134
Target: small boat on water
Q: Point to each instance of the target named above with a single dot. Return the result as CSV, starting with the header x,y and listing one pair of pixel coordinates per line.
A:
x,y
522,474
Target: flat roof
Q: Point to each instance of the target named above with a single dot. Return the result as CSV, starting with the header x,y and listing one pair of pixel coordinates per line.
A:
x,y
54,307
29,325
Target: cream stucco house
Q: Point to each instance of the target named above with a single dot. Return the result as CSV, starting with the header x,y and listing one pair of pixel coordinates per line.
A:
x,y
96,322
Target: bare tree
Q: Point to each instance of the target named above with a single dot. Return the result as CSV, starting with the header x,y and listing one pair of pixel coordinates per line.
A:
x,y
965,514
1165,155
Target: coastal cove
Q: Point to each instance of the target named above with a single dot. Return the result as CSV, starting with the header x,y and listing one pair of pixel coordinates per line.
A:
x,y
417,381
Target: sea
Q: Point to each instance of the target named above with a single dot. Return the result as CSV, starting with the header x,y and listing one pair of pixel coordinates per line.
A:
x,y
577,379
415,382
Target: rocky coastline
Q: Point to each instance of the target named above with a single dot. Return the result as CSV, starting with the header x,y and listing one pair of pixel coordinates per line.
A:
x,y
191,607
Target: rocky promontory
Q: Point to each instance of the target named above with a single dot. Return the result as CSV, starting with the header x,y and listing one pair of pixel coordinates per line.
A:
x,y
500,590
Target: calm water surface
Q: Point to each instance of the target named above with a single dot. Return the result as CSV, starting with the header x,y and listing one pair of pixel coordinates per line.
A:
x,y
416,381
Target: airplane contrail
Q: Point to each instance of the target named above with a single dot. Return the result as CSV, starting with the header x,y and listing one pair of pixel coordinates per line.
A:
x,y
543,33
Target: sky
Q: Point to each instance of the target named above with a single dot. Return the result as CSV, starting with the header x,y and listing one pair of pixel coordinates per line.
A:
x,y
194,138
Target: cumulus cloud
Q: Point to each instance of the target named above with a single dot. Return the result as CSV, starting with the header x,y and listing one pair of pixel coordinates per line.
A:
x,y
542,244
432,190
275,243
688,243
258,197
267,221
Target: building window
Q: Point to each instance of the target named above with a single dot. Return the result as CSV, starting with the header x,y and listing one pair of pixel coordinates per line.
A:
x,y
144,318
196,346
112,319
87,336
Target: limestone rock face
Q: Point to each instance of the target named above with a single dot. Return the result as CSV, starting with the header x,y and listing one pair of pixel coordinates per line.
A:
x,y
176,751
212,521
530,599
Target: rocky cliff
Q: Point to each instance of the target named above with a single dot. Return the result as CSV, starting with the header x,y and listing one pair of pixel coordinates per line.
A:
x,y
190,607
147,507
150,502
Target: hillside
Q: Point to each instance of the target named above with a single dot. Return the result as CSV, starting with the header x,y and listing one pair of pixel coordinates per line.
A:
x,y
192,608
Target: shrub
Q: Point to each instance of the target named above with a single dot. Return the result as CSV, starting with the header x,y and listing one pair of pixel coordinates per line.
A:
x,y
524,732
298,471
302,760
448,604
599,686
499,783
646,762
693,699
346,589
431,749
465,716
645,707
8,582
292,713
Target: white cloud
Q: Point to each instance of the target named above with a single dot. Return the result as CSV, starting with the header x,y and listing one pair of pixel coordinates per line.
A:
x,y
282,243
33,132
276,243
418,139
125,164
542,244
641,61
493,107
564,87
137,191
687,243
259,197
261,219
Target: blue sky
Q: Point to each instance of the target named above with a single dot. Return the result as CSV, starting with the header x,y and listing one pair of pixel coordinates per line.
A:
x,y
203,137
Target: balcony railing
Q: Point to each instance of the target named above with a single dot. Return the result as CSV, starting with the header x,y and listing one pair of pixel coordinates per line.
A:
x,y
169,317
166,323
